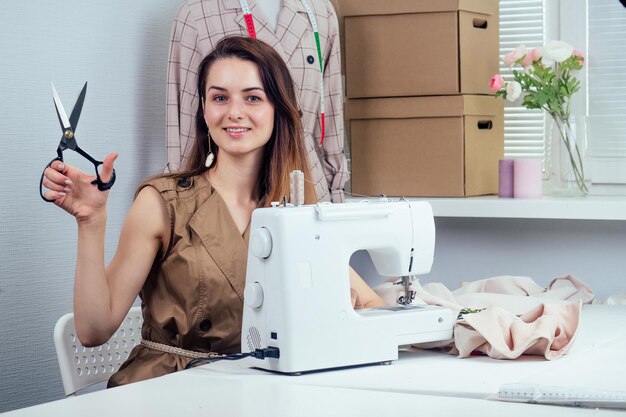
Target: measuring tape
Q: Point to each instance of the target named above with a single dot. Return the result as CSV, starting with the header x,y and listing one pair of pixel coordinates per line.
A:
x,y
245,7
247,15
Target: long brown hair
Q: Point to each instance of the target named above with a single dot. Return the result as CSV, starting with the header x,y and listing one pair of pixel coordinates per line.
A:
x,y
284,152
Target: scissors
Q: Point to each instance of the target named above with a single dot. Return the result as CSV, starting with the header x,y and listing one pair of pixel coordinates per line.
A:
x,y
68,140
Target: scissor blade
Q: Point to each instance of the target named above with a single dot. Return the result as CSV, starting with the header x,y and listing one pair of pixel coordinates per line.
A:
x,y
60,110
78,107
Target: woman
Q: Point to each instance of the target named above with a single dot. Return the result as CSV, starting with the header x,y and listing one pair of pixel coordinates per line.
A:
x,y
183,246
289,28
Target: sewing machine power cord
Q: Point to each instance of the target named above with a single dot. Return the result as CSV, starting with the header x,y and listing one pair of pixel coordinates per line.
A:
x,y
268,352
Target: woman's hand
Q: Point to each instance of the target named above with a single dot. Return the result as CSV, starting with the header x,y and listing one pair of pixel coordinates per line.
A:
x,y
72,190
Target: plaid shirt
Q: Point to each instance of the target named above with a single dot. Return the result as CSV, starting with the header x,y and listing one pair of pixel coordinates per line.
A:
x,y
200,24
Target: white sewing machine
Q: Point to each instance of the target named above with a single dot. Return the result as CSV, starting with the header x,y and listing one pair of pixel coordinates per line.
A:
x,y
297,295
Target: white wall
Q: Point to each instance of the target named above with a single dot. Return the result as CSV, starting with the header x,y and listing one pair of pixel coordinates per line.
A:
x,y
592,250
120,48
469,249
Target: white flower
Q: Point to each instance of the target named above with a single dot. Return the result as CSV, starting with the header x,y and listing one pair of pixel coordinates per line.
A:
x,y
557,51
513,90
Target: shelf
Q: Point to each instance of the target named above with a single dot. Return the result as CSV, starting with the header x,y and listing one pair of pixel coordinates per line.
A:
x,y
580,208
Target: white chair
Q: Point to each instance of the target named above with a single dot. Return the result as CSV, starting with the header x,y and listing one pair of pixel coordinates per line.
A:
x,y
82,366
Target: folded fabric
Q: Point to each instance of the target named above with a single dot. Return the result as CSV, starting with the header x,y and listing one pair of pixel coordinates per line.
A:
x,y
507,316
547,329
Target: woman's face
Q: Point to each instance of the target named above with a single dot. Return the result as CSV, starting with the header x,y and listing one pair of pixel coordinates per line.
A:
x,y
237,111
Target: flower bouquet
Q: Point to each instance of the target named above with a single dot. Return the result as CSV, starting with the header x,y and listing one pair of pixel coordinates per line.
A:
x,y
546,82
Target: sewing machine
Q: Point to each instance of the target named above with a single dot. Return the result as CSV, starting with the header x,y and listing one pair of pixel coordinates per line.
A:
x,y
297,294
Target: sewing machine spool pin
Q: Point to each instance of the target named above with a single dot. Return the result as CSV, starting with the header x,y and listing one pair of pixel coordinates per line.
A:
x,y
409,295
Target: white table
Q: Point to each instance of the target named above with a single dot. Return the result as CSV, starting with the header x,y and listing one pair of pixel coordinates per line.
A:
x,y
437,373
421,383
192,394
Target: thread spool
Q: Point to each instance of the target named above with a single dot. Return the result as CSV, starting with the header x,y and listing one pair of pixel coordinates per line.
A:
x,y
296,188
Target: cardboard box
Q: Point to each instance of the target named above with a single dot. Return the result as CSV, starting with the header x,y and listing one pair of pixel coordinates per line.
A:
x,y
398,48
337,6
440,146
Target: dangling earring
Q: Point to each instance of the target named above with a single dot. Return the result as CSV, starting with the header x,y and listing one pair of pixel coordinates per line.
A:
x,y
210,157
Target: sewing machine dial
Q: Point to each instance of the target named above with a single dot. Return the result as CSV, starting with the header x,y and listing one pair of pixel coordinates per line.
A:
x,y
253,295
261,242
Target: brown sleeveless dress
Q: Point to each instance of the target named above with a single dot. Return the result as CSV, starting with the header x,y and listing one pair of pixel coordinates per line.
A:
x,y
193,296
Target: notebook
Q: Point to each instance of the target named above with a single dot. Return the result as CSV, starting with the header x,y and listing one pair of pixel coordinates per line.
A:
x,y
581,379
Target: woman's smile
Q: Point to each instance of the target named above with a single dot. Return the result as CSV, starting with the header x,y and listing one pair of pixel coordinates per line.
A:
x,y
237,132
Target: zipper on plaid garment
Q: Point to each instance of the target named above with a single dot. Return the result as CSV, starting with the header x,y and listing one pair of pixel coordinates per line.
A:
x,y
247,15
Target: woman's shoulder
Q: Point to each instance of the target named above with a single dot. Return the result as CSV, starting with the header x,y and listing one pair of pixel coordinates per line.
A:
x,y
173,186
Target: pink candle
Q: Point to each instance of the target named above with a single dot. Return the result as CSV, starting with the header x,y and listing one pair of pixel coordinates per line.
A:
x,y
527,178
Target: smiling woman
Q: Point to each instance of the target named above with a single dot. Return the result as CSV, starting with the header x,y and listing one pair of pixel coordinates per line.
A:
x,y
246,84
184,244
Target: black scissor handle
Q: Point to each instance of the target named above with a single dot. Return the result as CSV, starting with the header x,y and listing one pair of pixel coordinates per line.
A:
x,y
103,186
43,174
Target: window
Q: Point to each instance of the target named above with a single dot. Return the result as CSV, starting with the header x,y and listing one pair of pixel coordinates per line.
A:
x,y
521,23
598,28
606,88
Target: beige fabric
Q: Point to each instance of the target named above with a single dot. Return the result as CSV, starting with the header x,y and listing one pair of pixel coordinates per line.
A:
x,y
546,330
193,296
511,315
200,24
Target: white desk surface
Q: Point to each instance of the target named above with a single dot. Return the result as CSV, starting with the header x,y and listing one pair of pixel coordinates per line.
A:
x,y
437,373
192,394
420,383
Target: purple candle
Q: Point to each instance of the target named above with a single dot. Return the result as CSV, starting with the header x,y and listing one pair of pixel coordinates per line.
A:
x,y
505,178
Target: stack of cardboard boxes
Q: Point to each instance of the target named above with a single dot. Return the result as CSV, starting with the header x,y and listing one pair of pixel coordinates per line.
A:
x,y
421,117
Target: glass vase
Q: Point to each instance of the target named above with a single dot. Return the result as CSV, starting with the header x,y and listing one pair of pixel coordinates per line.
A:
x,y
567,156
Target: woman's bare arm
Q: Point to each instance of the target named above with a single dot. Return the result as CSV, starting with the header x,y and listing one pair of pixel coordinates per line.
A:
x,y
102,297
362,295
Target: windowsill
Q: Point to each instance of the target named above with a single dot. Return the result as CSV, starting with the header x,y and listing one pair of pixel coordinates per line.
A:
x,y
547,207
